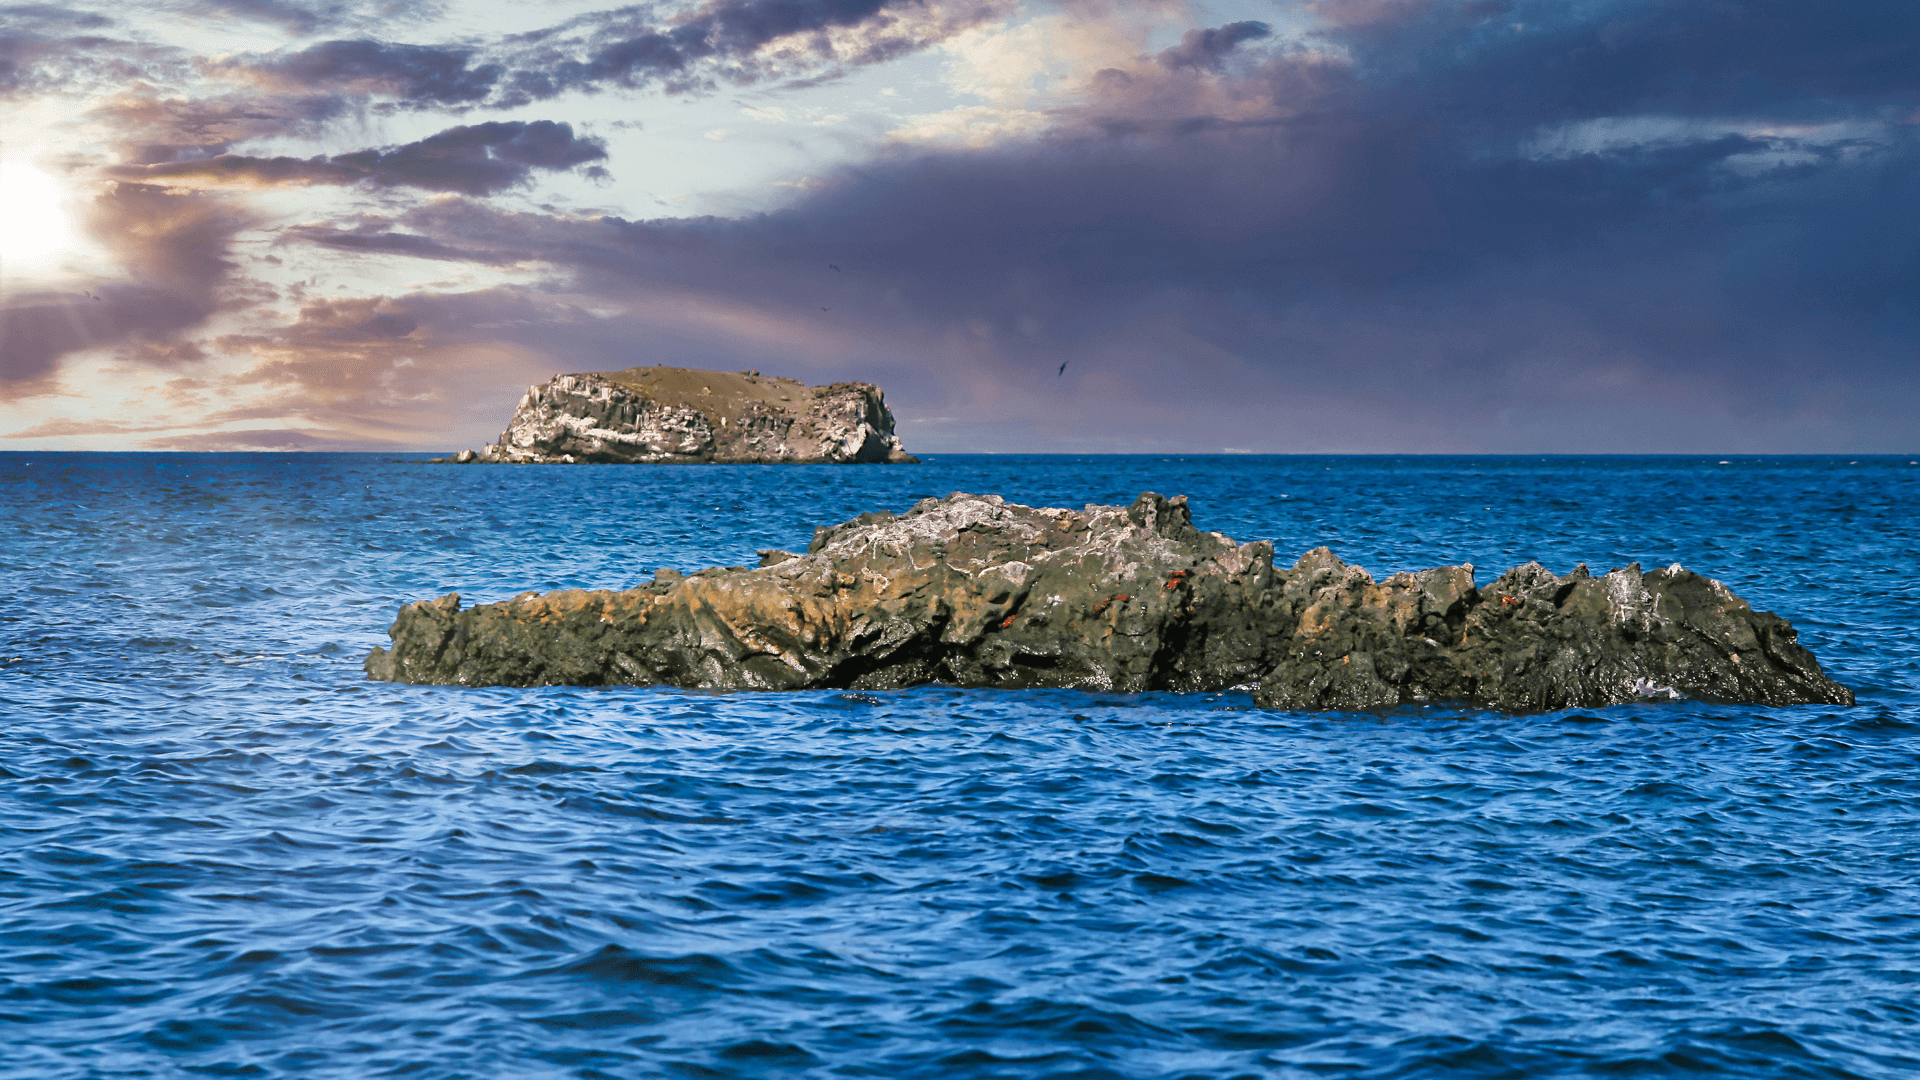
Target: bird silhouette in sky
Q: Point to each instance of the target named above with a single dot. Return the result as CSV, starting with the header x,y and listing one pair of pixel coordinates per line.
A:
x,y
826,309
835,269
1063,369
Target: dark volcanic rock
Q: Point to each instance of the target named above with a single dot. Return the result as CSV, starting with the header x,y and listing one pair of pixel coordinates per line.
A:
x,y
1530,641
663,414
972,591
967,590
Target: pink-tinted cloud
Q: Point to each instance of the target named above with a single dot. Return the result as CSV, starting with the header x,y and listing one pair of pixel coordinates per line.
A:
x,y
174,247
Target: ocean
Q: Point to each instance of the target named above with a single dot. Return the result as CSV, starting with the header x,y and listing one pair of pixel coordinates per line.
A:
x,y
224,853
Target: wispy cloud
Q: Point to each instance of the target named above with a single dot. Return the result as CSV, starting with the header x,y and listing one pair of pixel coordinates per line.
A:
x,y
477,159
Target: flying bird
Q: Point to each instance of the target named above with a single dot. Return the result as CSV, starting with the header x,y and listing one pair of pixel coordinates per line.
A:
x,y
1063,368
826,309
835,269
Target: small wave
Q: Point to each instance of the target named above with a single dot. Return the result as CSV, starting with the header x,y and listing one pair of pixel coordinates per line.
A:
x,y
225,853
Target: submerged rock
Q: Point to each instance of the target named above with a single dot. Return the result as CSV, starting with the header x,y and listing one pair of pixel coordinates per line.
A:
x,y
663,414
973,591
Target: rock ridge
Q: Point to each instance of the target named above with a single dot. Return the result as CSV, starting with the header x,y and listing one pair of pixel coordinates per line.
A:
x,y
974,591
683,415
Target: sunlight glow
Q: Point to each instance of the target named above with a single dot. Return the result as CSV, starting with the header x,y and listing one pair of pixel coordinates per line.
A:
x,y
35,228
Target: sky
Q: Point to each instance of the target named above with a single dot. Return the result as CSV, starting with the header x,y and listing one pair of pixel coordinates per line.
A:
x,y
1316,226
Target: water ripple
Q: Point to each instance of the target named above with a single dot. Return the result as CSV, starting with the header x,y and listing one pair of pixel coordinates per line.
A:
x,y
224,853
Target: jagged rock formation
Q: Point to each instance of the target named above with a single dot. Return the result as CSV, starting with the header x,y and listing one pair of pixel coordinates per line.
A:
x,y
973,591
663,414
1531,641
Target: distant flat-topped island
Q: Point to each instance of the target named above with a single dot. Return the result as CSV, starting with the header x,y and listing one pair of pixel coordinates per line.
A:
x,y
683,415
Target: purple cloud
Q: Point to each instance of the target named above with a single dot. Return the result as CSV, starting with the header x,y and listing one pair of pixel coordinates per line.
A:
x,y
1512,64
175,249
476,159
1206,48
418,75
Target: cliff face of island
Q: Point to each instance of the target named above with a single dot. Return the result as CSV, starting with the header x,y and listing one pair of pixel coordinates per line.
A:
x,y
663,414
977,592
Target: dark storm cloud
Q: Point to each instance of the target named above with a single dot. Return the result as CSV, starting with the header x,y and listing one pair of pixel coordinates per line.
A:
x,y
475,159
1208,47
1542,62
1708,258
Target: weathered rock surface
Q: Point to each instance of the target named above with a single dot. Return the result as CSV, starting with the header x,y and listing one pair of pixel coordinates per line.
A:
x,y
663,414
1531,641
973,591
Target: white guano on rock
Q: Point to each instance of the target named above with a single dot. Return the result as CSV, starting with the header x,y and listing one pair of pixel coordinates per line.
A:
x,y
682,415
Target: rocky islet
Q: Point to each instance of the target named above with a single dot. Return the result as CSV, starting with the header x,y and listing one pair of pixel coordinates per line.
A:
x,y
977,592
659,415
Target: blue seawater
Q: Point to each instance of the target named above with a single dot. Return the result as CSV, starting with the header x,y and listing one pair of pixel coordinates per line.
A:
x,y
224,853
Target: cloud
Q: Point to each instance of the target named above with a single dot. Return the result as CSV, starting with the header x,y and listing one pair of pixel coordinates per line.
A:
x,y
270,439
418,75
294,17
1027,76
50,51
373,235
306,19
386,371
53,16
731,39
1424,225
144,124
1781,57
736,42
173,247
64,427
1207,48
477,159
1303,233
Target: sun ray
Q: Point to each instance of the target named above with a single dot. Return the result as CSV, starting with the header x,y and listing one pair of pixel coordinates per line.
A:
x,y
36,231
